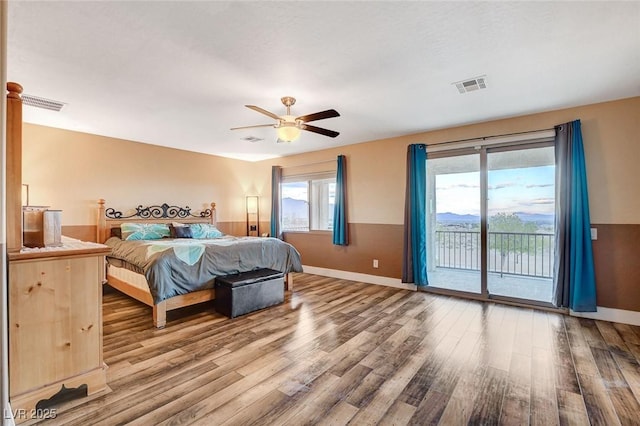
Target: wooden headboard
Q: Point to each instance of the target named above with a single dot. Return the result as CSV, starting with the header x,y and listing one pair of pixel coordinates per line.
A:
x,y
110,218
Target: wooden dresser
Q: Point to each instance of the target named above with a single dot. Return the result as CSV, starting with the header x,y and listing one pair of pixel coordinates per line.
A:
x,y
55,325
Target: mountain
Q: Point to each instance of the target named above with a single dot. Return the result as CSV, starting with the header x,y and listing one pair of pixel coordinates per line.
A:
x,y
294,208
536,217
449,217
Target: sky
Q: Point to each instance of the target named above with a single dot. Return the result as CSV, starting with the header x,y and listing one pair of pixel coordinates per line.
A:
x,y
298,191
295,190
528,190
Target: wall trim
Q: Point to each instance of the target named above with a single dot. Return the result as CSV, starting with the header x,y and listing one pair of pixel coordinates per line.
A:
x,y
357,276
610,314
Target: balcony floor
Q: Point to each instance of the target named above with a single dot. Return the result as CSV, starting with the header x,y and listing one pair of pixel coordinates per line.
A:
x,y
521,287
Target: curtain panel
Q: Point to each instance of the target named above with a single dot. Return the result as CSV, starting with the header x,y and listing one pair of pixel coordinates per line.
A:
x,y
276,179
340,226
414,259
574,277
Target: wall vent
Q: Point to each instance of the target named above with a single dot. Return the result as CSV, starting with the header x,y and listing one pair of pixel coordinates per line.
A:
x,y
36,101
252,139
471,84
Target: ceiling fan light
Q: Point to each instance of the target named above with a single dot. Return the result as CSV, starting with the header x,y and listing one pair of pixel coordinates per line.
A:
x,y
288,133
289,126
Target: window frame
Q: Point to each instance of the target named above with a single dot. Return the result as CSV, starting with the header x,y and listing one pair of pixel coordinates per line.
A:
x,y
309,178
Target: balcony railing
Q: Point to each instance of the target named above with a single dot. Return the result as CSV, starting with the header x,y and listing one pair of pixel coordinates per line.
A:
x,y
523,254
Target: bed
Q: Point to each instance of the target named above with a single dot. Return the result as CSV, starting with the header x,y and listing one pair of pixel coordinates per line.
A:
x,y
169,273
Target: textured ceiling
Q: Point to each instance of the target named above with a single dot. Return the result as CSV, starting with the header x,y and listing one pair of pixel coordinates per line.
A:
x,y
178,73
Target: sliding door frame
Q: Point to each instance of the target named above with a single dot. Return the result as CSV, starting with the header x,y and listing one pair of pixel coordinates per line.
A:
x,y
484,224
484,295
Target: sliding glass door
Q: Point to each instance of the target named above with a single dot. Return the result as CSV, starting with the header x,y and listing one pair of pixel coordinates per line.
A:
x,y
453,222
521,221
490,222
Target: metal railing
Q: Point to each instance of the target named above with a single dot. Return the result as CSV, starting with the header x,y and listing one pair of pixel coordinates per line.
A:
x,y
525,254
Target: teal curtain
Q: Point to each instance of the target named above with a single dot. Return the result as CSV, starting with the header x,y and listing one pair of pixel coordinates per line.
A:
x,y
574,280
414,264
340,230
276,179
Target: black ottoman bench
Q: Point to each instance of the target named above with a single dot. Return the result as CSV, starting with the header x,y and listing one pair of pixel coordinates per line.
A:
x,y
239,294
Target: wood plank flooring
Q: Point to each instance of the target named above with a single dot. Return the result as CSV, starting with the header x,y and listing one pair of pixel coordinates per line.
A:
x,y
339,352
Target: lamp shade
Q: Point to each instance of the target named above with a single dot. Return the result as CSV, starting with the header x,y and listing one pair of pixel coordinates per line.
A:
x,y
288,131
252,204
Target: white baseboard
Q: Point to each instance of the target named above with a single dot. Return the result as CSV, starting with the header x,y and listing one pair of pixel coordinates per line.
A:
x,y
356,276
610,314
603,314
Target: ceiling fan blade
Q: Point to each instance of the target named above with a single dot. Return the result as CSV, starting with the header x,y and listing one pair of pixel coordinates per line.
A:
x,y
320,130
263,111
330,113
251,127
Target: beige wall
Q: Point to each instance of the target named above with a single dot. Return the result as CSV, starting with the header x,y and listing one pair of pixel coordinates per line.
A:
x,y
611,133
70,171
376,185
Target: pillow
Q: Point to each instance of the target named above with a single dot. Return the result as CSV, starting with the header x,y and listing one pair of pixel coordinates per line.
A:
x,y
182,231
205,230
144,231
116,232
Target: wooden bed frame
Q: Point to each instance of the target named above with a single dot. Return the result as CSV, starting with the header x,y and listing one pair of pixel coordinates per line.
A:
x,y
109,218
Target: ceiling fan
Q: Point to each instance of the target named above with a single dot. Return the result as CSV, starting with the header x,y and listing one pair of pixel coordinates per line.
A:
x,y
289,127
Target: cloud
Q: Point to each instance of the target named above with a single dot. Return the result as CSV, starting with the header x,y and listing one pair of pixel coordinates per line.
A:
x,y
543,201
502,185
544,185
458,185
538,201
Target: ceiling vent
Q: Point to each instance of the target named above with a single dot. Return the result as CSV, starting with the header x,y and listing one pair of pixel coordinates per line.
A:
x,y
252,139
471,84
39,102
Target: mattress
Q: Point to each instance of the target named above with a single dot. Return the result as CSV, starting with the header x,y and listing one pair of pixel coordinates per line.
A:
x,y
126,275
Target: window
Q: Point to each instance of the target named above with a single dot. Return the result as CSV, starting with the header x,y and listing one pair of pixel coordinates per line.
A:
x,y
307,202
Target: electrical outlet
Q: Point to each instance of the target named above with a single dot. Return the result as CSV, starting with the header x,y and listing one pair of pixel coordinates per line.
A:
x,y
375,263
594,233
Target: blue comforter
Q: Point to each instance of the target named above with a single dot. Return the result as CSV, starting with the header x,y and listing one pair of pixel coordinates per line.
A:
x,y
179,266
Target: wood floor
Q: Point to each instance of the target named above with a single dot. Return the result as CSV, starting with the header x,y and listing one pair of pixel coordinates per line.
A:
x,y
339,352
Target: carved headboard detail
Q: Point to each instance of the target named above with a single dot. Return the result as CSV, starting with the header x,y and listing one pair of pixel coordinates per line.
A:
x,y
111,218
